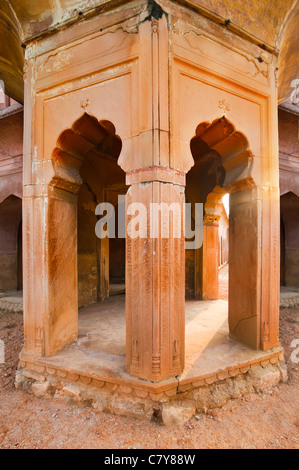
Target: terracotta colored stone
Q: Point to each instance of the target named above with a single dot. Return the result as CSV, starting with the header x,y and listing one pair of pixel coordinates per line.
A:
x,y
185,387
126,390
211,379
98,383
234,372
141,393
162,111
177,413
73,376
157,396
111,386
85,380
223,375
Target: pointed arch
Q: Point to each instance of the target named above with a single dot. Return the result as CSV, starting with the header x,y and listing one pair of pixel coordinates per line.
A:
x,y
223,162
77,156
73,145
10,219
226,147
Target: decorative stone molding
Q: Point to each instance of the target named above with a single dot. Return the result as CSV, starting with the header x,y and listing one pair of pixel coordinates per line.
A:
x,y
156,173
39,366
211,219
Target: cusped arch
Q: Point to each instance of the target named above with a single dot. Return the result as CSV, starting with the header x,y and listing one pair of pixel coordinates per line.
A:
x,y
86,134
228,147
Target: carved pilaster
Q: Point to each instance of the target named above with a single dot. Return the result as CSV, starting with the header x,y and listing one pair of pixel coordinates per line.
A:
x,y
155,289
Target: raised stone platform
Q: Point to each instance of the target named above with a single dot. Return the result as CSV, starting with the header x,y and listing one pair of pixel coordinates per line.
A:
x,y
92,370
289,297
11,302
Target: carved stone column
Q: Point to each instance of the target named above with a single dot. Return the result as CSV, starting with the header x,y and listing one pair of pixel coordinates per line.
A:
x,y
210,282
155,277
254,265
103,268
50,268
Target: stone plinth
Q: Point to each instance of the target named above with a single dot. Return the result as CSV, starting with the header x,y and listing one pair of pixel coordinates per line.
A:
x,y
92,371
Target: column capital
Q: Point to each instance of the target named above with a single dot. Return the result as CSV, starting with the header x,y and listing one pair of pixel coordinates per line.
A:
x,y
162,174
211,219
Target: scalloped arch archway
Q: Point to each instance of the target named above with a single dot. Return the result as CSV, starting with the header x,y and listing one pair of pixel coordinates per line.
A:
x,y
223,163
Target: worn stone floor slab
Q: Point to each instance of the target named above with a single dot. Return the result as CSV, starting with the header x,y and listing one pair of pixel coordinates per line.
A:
x,y
91,371
99,351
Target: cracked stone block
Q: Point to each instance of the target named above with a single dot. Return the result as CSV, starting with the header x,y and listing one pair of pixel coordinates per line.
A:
x,y
99,404
176,413
264,378
283,372
132,408
40,389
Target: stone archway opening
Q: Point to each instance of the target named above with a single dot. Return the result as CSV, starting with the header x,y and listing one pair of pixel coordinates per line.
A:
x,y
222,160
101,262
222,163
85,173
11,244
223,247
289,205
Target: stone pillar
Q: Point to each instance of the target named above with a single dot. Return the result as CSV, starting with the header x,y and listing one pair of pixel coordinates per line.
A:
x,y
103,263
198,274
155,279
50,269
254,266
103,268
210,278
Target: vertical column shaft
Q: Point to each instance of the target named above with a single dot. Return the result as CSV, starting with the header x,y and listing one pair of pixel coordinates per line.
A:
x,y
155,284
210,282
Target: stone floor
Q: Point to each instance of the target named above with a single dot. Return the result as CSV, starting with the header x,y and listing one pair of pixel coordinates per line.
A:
x,y
223,282
100,348
115,289
289,295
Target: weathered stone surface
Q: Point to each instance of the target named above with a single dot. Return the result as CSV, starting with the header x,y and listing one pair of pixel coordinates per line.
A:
x,y
132,408
264,378
156,124
99,404
177,413
72,390
40,389
19,380
283,372
68,393
33,375
257,379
